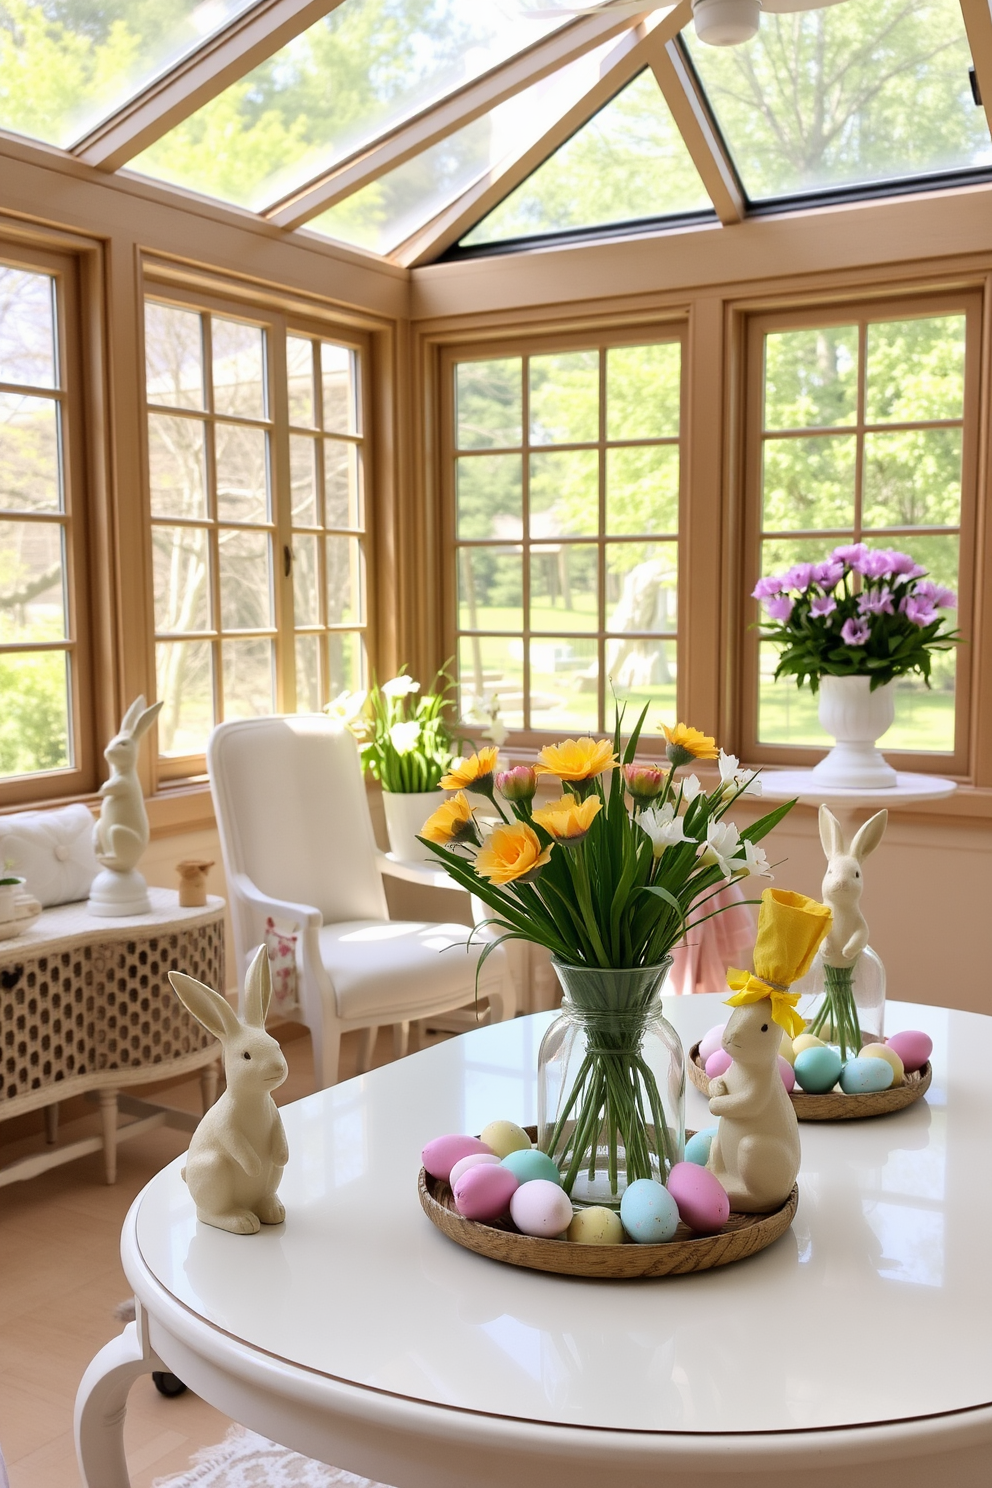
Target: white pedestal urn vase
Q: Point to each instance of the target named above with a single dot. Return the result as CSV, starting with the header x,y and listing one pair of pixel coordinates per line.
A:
x,y
406,813
856,717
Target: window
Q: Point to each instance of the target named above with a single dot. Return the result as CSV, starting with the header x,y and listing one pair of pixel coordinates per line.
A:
x,y
44,682
861,428
565,498
256,480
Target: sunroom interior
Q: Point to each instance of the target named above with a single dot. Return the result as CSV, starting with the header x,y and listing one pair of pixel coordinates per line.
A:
x,y
341,338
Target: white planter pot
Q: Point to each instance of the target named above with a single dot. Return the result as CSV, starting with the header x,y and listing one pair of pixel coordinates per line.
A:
x,y
8,899
856,717
405,815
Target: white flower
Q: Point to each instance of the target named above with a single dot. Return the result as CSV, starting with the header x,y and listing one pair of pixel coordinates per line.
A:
x,y
662,826
721,847
346,706
497,733
399,687
690,789
755,862
736,781
405,736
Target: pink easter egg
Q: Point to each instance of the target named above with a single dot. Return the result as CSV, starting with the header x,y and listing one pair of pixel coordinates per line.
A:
x,y
541,1207
702,1200
485,1192
787,1072
710,1042
440,1156
718,1063
472,1161
914,1048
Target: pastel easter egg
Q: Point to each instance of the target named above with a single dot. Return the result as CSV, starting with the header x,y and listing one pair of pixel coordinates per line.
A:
x,y
472,1161
806,1041
787,1072
785,1049
648,1212
865,1076
541,1208
914,1048
504,1137
532,1164
697,1150
818,1069
440,1156
484,1193
702,1200
710,1042
718,1064
886,1052
596,1226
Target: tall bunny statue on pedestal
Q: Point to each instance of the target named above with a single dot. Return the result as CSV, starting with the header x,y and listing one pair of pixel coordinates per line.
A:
x,y
121,834
238,1151
755,1153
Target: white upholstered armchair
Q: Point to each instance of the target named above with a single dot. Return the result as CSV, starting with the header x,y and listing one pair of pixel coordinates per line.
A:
x,y
298,846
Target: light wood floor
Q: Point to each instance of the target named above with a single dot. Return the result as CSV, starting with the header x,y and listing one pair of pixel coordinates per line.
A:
x,y
60,1279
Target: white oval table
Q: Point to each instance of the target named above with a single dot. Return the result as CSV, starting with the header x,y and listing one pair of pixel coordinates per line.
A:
x,y
856,1351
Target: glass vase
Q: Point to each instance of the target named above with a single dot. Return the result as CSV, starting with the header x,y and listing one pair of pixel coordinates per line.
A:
x,y
844,1006
611,1083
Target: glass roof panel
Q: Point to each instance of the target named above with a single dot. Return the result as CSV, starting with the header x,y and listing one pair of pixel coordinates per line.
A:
x,y
629,162
67,64
349,78
871,90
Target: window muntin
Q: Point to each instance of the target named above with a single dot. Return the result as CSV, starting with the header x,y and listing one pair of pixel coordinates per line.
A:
x,y
565,478
861,439
868,91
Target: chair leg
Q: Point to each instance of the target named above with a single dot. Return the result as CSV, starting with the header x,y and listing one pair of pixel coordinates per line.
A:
x,y
366,1049
52,1123
401,1040
326,1051
108,1118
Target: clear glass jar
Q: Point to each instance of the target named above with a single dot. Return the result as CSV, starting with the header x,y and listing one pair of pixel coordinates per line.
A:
x,y
841,1006
611,1083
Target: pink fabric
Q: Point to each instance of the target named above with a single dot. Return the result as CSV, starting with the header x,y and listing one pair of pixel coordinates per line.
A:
x,y
702,959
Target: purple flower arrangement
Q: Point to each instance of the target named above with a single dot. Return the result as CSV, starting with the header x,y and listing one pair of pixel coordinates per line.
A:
x,y
863,612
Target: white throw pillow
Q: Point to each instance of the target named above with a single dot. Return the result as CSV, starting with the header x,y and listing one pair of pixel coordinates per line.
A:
x,y
53,850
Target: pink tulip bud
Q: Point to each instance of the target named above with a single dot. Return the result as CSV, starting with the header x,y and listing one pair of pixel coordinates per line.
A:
x,y
644,782
518,784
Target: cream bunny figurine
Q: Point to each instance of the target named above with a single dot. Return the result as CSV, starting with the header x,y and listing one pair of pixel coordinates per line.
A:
x,y
121,834
755,1153
842,885
238,1151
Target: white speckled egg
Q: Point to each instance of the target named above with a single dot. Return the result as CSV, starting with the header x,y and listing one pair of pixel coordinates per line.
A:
x,y
541,1208
710,1042
504,1137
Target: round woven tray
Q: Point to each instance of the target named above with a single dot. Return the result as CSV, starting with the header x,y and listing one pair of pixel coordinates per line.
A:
x,y
743,1235
834,1105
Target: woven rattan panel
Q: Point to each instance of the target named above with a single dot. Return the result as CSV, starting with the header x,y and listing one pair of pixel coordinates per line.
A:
x,y
102,1006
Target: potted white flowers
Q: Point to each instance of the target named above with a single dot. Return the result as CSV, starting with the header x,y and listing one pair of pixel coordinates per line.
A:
x,y
10,886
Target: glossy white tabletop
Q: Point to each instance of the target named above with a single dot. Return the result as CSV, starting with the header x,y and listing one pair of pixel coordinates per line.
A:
x,y
873,1308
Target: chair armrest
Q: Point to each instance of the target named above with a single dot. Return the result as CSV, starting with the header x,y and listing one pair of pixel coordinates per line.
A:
x,y
416,873
305,914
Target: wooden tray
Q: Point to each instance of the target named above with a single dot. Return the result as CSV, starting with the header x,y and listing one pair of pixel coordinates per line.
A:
x,y
743,1235
834,1105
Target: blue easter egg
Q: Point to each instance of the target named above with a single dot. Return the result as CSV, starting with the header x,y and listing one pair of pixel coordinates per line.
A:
x,y
818,1069
648,1212
697,1149
530,1164
865,1076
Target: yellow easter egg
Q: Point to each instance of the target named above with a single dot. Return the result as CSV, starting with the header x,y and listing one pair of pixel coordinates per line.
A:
x,y
596,1226
882,1051
804,1041
786,1050
504,1137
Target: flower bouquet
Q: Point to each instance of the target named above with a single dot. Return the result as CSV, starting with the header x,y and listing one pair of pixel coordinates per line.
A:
x,y
608,879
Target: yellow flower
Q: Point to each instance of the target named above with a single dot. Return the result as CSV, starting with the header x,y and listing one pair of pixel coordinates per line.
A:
x,y
576,759
451,822
568,819
686,744
511,852
474,773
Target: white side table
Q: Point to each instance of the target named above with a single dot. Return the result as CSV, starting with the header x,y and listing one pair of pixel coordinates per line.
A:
x,y
86,1007
909,790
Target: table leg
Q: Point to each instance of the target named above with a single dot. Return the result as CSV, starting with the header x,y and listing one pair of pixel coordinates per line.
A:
x,y
401,1040
101,1405
366,1049
208,1086
52,1123
108,1117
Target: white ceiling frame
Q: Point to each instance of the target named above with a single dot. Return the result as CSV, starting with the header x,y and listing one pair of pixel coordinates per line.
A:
x,y
454,111
250,38
978,25
694,121
629,57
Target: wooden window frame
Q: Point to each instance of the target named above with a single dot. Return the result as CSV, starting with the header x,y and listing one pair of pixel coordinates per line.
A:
x,y
865,309
600,338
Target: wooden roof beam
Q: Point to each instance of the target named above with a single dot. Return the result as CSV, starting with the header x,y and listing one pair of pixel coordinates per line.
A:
x,y
978,24
691,112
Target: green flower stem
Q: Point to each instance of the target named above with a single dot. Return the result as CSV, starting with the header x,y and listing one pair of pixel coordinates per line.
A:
x,y
840,1008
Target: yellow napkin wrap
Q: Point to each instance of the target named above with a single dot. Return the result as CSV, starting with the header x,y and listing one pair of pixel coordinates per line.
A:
x,y
790,928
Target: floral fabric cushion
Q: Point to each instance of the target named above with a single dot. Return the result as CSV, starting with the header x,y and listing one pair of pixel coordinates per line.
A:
x,y
281,946
53,850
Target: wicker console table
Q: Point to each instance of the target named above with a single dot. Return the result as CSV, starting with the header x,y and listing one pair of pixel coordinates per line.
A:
x,y
86,1007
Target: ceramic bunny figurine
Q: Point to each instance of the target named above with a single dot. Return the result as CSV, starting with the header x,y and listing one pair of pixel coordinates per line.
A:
x,y
121,834
238,1151
842,885
755,1153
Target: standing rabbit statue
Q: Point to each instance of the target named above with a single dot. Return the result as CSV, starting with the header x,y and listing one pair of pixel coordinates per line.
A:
x,y
238,1151
121,834
843,883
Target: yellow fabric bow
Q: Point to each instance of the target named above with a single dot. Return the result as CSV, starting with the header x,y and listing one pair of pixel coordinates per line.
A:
x,y
790,928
